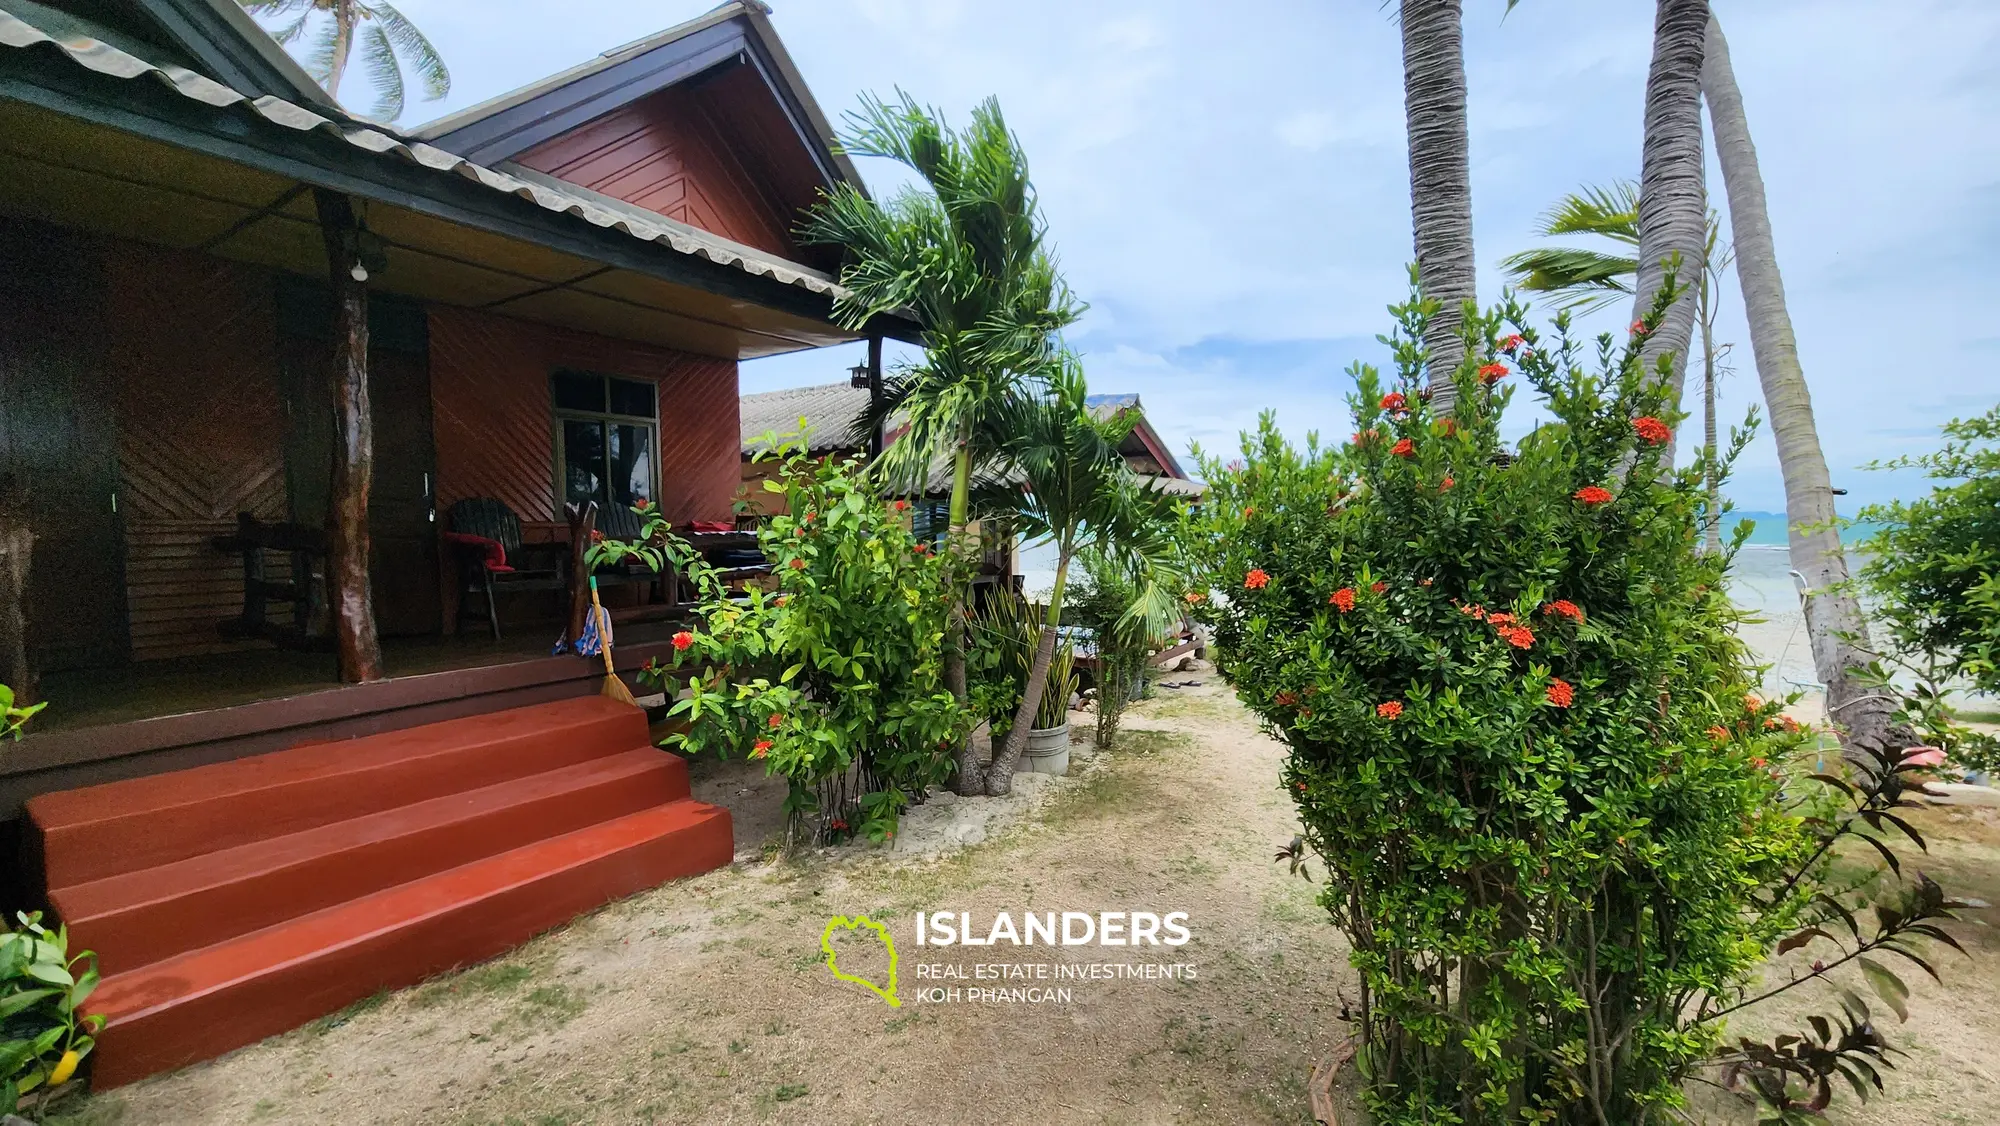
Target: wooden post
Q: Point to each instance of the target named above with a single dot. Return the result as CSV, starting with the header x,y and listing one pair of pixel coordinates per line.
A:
x,y
348,591
875,394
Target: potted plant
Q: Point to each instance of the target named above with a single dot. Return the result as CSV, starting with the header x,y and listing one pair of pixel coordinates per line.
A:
x,y
1047,748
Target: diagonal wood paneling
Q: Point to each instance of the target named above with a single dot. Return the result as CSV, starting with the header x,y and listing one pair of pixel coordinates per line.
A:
x,y
193,356
665,154
495,424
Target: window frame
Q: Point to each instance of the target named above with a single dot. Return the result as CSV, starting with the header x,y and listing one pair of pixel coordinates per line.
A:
x,y
607,418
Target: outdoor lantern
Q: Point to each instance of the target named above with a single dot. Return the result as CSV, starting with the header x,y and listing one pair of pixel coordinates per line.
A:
x,y
857,376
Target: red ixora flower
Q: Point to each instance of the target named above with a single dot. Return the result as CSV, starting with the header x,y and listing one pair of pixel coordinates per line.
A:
x,y
1301,786
1284,699
1449,427
1563,607
1390,709
923,549
1500,618
1651,430
1343,598
902,506
798,564
596,536
642,504
837,823
1194,596
1520,637
1394,401
682,640
762,748
1561,693
1445,484
1404,448
1256,579
1367,436
1718,732
1378,587
1593,494
1510,342
1249,510
776,721
1489,374
1639,328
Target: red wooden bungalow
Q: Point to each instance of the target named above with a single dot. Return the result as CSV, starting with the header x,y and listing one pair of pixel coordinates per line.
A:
x,y
237,323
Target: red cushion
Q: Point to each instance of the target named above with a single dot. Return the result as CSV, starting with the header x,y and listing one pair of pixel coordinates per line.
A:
x,y
496,555
711,526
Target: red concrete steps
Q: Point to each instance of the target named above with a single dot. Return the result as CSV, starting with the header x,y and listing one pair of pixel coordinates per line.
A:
x,y
100,831
137,918
222,997
234,901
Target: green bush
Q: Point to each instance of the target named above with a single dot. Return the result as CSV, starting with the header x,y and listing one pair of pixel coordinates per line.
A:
x,y
1934,572
42,1039
1099,601
1559,829
850,704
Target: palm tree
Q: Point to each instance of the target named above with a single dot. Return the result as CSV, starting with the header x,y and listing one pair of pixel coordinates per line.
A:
x,y
1440,179
1834,620
1586,280
389,42
1672,196
1077,492
967,258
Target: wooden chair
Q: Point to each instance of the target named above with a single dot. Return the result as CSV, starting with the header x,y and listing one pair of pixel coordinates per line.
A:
x,y
485,535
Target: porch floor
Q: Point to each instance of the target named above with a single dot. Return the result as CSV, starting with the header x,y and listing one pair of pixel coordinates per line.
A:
x,y
142,690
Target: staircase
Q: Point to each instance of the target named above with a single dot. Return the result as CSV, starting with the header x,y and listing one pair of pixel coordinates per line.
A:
x,y
230,902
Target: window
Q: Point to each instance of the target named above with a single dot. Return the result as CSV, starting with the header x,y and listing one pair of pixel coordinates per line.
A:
x,y
607,438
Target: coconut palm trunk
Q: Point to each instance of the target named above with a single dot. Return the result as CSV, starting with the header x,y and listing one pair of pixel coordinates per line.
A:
x,y
1673,202
970,778
1440,180
1000,779
1834,620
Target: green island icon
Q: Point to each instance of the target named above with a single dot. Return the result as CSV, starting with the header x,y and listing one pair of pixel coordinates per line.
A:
x,y
842,922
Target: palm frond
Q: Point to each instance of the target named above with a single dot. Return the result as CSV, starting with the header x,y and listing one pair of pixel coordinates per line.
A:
x,y
319,56
1579,279
414,49
294,29
378,56
1612,212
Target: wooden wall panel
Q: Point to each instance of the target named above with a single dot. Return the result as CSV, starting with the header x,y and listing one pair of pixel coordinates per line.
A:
x,y
665,153
194,359
495,424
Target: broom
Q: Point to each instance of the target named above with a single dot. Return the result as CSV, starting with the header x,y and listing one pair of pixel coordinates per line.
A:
x,y
613,687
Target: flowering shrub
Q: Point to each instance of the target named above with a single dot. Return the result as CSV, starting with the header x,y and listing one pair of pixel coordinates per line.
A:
x,y
1521,737
851,707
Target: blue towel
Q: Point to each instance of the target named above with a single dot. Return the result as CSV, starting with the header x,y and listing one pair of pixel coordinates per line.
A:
x,y
589,645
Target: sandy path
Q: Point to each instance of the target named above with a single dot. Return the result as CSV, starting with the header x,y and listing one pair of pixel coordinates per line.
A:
x,y
706,1000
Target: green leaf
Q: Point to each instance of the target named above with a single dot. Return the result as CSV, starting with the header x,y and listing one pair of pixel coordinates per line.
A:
x,y
1887,986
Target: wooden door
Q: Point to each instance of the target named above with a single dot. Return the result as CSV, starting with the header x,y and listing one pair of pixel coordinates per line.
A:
x,y
402,532
59,444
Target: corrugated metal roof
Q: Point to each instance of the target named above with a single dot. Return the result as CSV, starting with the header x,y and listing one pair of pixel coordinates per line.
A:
x,y
103,58
828,408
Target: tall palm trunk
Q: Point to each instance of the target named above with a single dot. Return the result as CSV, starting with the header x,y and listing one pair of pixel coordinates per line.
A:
x,y
1000,779
1440,180
971,777
344,20
1673,203
1833,614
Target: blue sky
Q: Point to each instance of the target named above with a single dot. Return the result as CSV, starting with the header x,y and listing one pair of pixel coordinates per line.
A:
x,y
1228,186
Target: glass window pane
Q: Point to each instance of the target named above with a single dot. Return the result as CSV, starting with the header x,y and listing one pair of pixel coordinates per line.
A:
x,y
583,461
578,391
640,400
631,464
